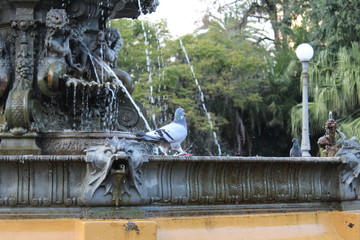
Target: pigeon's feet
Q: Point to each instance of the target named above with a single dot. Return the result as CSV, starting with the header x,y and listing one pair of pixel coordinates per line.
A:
x,y
185,154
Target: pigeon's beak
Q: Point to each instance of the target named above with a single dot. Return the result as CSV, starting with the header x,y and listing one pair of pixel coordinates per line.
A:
x,y
183,114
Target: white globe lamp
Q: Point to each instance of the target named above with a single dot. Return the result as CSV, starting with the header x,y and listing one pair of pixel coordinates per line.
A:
x,y
305,52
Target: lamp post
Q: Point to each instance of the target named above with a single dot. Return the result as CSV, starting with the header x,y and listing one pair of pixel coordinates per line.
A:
x,y
305,52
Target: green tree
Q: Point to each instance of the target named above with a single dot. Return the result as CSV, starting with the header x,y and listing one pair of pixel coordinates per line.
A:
x,y
229,68
282,92
142,57
334,72
233,73
252,94
332,29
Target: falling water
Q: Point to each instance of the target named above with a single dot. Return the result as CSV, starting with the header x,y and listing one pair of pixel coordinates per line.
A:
x,y
87,108
97,60
161,71
109,70
201,96
74,104
146,42
110,109
91,60
102,69
83,108
67,97
116,104
148,62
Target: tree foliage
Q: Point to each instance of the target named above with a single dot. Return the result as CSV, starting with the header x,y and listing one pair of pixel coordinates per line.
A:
x,y
334,73
332,29
249,80
229,69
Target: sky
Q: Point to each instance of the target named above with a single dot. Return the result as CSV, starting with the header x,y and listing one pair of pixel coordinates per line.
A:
x,y
182,15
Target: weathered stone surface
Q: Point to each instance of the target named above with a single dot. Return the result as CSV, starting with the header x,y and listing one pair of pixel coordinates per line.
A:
x,y
52,54
65,180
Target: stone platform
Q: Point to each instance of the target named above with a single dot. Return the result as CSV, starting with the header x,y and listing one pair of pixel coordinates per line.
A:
x,y
59,186
333,225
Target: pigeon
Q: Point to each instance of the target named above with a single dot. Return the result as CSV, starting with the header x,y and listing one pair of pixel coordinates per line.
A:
x,y
295,151
170,135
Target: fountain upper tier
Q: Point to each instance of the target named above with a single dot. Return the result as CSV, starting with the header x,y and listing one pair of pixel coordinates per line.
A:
x,y
58,65
107,9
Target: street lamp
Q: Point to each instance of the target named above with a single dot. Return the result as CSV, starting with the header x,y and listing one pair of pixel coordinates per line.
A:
x,y
305,52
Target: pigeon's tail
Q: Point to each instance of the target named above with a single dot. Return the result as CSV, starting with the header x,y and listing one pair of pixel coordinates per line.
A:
x,y
159,135
143,136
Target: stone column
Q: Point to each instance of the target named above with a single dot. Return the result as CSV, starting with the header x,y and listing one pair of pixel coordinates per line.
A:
x,y
18,105
20,101
305,140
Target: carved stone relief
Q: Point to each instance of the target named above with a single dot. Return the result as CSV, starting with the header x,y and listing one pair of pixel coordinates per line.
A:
x,y
350,153
115,167
51,49
4,67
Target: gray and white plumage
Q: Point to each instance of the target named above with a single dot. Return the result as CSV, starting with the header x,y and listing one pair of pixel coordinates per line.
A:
x,y
170,135
295,151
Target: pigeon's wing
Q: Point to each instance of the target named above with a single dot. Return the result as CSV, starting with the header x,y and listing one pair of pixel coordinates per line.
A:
x,y
291,152
295,152
169,135
300,152
153,135
173,133
160,134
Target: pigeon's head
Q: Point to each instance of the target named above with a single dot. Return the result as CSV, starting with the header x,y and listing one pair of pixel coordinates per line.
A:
x,y
294,140
180,116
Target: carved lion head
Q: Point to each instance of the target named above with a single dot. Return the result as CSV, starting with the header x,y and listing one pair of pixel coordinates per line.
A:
x,y
56,18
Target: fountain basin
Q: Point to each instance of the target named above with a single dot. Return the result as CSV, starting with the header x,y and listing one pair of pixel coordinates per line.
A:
x,y
167,197
251,183
75,142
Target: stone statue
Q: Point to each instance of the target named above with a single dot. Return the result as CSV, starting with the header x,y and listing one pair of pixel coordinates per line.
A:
x,y
350,152
116,167
4,68
57,40
328,142
49,58
58,57
106,47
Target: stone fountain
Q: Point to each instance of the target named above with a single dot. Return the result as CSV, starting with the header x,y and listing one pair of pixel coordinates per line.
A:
x,y
67,148
59,74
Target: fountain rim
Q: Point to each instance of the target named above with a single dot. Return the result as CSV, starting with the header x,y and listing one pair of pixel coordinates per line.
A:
x,y
162,158
87,134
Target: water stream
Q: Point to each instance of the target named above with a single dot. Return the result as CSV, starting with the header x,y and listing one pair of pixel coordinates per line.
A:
x,y
202,99
74,105
88,52
105,67
109,70
148,63
161,75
